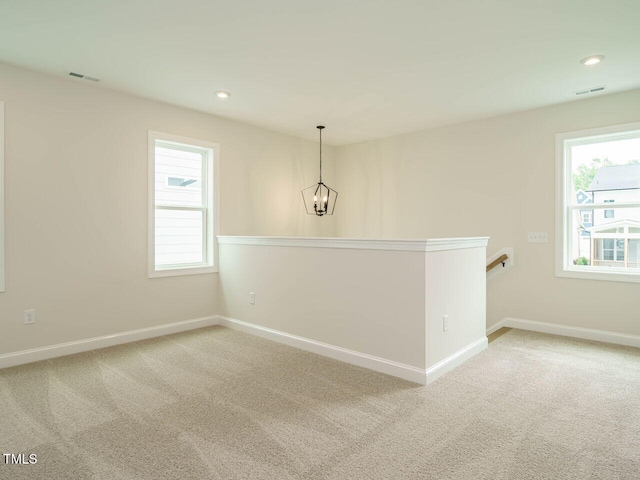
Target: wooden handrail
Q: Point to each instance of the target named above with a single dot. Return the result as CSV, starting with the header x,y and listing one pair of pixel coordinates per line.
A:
x,y
501,259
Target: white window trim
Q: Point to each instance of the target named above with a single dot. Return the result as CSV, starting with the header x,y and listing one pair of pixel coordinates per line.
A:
x,y
2,285
563,186
213,217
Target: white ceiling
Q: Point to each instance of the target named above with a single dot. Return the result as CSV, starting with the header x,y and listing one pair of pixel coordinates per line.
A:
x,y
364,68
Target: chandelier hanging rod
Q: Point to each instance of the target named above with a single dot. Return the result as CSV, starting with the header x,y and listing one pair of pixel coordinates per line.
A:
x,y
320,127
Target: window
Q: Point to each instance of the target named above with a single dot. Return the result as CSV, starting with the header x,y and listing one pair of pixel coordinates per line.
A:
x,y
586,217
608,213
612,250
182,220
600,167
1,196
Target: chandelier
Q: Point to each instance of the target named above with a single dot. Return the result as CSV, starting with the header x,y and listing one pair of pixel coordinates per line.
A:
x,y
319,199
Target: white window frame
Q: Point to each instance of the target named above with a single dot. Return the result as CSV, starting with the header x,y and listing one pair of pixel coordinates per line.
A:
x,y
565,205
2,286
210,184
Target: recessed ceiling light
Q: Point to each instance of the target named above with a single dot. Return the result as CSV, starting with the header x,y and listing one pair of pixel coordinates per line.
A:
x,y
222,94
592,60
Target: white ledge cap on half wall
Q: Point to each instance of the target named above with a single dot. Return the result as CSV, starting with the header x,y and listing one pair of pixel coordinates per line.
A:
x,y
429,245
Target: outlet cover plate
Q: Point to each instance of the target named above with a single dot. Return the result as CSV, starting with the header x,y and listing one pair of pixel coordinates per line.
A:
x,y
29,317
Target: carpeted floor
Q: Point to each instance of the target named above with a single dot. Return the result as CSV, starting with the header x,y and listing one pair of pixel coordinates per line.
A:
x,y
218,404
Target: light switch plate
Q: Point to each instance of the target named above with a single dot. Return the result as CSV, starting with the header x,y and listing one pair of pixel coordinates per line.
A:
x,y
538,237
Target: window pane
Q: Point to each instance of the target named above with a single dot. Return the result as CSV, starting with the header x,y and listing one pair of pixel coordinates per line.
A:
x,y
618,219
620,250
178,179
179,237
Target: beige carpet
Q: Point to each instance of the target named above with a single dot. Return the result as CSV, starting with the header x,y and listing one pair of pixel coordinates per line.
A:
x,y
218,404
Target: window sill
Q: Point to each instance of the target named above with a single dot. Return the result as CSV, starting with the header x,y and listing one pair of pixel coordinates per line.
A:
x,y
602,275
177,272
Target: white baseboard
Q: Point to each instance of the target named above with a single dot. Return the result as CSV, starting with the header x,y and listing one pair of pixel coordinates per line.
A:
x,y
382,365
458,358
567,331
496,326
69,348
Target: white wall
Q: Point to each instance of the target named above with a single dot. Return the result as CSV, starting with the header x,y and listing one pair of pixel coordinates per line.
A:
x,y
493,177
381,303
368,301
76,206
455,286
75,160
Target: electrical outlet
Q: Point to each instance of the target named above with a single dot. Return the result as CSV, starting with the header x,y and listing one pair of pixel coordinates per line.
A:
x,y
538,237
445,323
252,298
29,317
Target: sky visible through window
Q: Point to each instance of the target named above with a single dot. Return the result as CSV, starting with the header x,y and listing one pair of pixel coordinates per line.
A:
x,y
619,152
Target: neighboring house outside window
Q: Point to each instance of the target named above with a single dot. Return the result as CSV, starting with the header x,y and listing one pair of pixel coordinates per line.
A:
x,y
613,242
599,168
587,219
182,188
